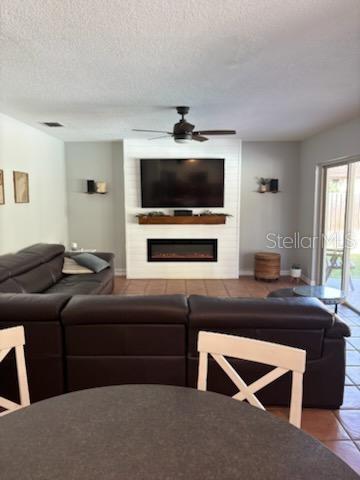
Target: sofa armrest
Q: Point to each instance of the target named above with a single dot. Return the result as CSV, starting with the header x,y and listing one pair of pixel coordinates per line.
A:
x,y
339,329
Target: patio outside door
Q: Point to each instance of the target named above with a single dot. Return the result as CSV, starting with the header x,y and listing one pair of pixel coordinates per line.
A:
x,y
341,229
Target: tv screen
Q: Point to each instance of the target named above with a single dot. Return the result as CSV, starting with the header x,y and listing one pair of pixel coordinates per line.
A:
x,y
192,182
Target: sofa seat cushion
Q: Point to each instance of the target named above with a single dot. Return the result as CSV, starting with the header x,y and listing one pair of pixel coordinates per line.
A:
x,y
91,283
77,285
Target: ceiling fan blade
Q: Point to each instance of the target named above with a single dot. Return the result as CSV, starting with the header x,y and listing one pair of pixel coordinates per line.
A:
x,y
161,136
199,138
153,131
215,132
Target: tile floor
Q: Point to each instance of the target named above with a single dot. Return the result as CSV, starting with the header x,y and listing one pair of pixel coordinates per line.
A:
x,y
339,429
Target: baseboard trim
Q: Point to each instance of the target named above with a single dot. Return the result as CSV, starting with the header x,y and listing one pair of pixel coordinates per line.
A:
x,y
247,273
242,273
120,272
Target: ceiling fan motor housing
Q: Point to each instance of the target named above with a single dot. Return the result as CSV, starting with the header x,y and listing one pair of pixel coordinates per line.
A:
x,y
182,110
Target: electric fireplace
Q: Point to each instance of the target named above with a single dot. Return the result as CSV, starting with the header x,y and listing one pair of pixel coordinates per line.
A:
x,y
182,250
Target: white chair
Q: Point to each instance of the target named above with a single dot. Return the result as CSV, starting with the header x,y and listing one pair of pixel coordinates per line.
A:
x,y
15,338
284,358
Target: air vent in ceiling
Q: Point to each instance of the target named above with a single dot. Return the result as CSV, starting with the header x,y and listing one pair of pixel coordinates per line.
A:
x,y
52,124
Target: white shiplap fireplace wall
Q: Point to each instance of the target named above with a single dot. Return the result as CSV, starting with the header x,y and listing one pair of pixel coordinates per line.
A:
x,y
227,235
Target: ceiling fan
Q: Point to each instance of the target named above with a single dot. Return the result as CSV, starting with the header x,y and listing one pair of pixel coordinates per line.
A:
x,y
183,131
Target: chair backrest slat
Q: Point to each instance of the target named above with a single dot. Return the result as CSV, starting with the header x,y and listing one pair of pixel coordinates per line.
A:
x,y
252,350
282,357
12,337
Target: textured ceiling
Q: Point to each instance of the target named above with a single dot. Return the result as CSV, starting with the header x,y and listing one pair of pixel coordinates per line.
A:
x,y
271,69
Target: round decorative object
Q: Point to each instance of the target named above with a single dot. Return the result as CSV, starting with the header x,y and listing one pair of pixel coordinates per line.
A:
x,y
267,266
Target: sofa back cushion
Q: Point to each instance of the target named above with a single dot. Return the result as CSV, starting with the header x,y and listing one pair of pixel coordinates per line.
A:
x,y
31,270
35,280
115,325
10,286
117,340
297,322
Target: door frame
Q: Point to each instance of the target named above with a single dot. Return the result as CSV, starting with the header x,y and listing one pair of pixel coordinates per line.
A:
x,y
320,254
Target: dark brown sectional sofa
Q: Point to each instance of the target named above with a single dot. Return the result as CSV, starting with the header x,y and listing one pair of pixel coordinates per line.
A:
x,y
38,269
82,341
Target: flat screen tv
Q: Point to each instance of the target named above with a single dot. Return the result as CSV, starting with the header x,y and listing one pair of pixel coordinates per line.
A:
x,y
191,182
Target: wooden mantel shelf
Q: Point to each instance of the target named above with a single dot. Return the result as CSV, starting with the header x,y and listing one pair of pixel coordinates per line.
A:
x,y
185,220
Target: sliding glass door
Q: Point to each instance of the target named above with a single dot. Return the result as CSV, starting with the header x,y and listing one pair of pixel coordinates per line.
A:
x,y
352,264
336,181
341,230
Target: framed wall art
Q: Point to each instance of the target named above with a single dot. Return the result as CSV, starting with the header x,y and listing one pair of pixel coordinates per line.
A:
x,y
2,188
21,187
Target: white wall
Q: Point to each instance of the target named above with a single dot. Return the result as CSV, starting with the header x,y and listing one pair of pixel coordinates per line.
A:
x,y
268,213
337,142
96,221
44,219
227,265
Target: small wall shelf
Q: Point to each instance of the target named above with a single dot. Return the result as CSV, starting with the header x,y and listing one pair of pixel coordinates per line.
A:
x,y
185,220
267,191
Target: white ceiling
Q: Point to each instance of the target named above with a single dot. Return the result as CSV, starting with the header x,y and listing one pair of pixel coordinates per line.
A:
x,y
271,69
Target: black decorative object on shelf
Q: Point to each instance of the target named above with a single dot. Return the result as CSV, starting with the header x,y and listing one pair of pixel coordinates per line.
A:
x,y
274,185
91,186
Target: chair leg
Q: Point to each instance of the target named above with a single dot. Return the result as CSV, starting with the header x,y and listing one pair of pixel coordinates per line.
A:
x,y
203,370
22,376
296,399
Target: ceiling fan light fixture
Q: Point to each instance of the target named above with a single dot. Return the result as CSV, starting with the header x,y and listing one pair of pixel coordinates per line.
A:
x,y
183,137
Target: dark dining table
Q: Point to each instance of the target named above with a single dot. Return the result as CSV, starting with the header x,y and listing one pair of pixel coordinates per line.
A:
x,y
139,432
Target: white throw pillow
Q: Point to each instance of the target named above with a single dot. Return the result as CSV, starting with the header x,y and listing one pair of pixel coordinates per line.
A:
x,y
72,268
